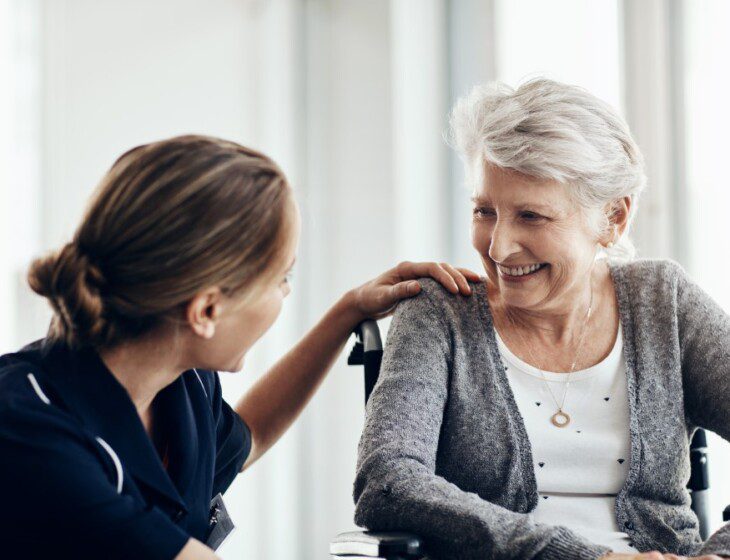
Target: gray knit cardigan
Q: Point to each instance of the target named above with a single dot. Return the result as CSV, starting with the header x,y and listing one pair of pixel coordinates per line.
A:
x,y
445,454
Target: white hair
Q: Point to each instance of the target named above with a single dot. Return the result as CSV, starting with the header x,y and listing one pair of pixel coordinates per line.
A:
x,y
550,130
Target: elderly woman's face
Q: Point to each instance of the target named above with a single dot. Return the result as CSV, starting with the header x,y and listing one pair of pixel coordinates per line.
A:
x,y
534,243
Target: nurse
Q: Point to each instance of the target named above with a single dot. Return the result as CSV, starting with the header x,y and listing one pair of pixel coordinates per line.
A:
x,y
115,441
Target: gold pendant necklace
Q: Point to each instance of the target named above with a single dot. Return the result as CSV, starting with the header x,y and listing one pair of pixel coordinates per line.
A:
x,y
561,418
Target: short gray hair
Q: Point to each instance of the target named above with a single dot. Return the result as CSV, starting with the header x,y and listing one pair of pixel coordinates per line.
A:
x,y
550,130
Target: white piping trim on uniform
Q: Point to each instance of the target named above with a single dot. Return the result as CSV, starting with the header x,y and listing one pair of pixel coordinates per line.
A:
x,y
105,445
201,382
117,463
37,388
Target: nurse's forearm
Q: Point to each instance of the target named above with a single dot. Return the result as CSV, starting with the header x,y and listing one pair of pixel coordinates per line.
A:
x,y
277,399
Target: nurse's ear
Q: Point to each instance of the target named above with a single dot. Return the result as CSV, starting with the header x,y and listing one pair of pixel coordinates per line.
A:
x,y
204,310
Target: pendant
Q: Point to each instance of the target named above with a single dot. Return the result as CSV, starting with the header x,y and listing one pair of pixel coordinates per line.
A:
x,y
560,419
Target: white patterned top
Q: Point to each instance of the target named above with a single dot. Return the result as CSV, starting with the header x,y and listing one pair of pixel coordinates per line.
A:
x,y
581,467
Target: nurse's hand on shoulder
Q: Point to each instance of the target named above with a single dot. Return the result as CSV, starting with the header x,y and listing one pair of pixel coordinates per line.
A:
x,y
196,550
377,299
654,555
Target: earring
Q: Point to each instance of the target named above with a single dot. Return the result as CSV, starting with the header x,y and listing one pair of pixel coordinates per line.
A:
x,y
610,244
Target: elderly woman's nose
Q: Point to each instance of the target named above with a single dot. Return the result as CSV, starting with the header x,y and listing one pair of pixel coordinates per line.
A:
x,y
503,242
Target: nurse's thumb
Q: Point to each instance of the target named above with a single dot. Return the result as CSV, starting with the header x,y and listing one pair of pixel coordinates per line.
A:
x,y
406,289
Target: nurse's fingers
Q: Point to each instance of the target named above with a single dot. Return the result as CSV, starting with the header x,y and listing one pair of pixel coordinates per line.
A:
x,y
410,271
379,302
470,274
458,277
403,290
451,278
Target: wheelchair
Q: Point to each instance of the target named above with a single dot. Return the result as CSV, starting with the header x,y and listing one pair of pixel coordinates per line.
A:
x,y
372,545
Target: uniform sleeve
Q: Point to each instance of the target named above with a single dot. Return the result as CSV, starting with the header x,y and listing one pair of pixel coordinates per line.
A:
x,y
233,441
704,330
59,494
397,487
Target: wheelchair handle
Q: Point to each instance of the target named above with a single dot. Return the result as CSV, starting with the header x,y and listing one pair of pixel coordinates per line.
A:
x,y
367,352
369,334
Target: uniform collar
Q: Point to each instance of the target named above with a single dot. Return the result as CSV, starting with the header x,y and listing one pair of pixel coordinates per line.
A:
x,y
91,393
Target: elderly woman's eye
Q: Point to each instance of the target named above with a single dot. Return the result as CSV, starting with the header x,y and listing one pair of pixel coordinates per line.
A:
x,y
531,216
481,212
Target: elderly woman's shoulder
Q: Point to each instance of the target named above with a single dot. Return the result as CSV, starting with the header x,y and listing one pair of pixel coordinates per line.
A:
x,y
434,297
433,289
648,272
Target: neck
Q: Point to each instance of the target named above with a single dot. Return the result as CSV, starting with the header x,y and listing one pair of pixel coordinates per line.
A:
x,y
560,324
144,367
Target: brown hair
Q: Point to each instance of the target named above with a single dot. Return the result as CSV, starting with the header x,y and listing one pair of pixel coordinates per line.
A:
x,y
168,219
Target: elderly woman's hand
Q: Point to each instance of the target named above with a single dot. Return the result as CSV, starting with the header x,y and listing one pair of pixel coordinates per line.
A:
x,y
377,299
654,555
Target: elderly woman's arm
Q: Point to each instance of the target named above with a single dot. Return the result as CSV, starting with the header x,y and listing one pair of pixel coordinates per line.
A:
x,y
396,486
704,331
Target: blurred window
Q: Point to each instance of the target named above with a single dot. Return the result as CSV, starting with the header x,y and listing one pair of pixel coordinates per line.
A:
x,y
707,121
19,161
572,41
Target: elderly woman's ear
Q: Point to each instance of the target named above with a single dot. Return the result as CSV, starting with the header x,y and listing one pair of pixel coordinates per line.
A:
x,y
618,213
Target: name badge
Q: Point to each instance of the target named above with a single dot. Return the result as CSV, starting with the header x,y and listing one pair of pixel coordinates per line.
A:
x,y
220,523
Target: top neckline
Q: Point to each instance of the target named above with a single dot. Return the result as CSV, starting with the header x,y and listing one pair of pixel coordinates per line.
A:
x,y
609,362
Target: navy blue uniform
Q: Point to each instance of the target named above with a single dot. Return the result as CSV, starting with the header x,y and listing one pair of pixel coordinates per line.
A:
x,y
79,476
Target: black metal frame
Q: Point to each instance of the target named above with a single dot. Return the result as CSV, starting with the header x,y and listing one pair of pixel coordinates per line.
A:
x,y
368,352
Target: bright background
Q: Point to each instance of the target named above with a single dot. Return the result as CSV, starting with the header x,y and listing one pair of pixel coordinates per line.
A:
x,y
351,97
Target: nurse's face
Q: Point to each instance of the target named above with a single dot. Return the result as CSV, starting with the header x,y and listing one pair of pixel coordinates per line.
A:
x,y
238,322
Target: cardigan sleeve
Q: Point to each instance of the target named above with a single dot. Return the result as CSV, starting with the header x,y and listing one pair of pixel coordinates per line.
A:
x,y
704,337
397,487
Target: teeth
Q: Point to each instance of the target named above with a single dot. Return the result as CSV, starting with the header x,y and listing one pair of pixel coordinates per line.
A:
x,y
519,270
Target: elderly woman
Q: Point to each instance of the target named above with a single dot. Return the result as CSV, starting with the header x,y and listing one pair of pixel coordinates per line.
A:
x,y
548,416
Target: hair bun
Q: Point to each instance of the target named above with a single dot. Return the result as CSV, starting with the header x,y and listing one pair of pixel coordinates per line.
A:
x,y
73,285
223,216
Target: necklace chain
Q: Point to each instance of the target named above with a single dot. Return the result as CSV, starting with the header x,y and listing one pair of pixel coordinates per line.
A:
x,y
560,418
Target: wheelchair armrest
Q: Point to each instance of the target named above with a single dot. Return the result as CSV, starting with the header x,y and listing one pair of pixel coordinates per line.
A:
x,y
373,544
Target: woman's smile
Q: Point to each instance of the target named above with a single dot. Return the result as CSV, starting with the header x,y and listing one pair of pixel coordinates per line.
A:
x,y
521,273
